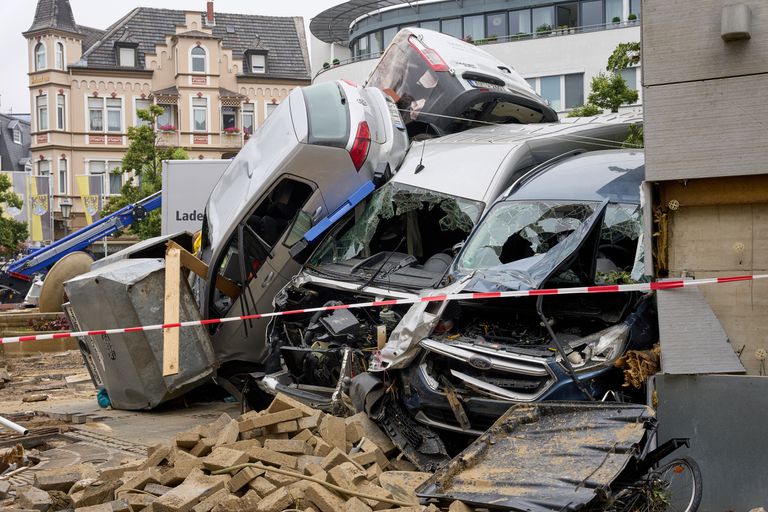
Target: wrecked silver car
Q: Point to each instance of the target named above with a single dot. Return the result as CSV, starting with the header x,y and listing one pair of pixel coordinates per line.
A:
x,y
574,223
399,245
445,85
317,155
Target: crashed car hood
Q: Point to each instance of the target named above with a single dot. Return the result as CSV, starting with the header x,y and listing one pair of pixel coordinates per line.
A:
x,y
534,272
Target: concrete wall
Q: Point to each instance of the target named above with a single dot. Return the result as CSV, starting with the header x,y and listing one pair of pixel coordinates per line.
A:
x,y
712,91
724,418
706,107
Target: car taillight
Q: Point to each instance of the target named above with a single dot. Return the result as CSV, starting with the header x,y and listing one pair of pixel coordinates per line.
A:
x,y
362,144
430,56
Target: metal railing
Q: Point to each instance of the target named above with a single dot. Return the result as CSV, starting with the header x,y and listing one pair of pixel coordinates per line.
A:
x,y
521,36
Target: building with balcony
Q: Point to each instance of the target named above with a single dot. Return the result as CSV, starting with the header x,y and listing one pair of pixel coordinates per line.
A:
x,y
557,46
217,76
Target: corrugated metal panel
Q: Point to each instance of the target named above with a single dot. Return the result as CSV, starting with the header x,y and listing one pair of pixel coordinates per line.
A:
x,y
692,339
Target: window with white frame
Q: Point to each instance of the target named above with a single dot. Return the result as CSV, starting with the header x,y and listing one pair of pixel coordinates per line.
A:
x,y
115,178
44,168
40,57
17,136
198,59
42,112
114,114
127,56
61,112
167,120
249,120
271,108
549,88
112,182
630,77
228,118
563,92
200,114
63,176
59,56
141,104
258,63
96,114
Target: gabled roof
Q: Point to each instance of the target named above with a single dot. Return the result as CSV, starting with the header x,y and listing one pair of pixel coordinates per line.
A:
x,y
12,155
54,14
283,36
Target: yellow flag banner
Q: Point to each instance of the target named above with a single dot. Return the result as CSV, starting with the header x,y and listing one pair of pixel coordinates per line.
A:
x,y
90,188
39,208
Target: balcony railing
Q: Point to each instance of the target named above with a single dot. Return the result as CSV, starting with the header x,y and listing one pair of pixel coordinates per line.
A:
x,y
522,36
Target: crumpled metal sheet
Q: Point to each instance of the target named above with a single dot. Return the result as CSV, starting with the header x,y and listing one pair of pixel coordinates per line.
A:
x,y
551,456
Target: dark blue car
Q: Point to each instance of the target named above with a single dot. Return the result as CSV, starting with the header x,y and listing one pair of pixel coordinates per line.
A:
x,y
574,222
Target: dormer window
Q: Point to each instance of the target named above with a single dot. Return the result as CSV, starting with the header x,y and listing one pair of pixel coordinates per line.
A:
x,y
17,136
256,61
126,55
40,57
198,59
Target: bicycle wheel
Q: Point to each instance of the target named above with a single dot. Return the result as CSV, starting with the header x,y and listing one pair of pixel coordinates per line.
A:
x,y
677,485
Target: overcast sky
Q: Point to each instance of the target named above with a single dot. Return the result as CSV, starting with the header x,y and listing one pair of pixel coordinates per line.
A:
x,y
16,16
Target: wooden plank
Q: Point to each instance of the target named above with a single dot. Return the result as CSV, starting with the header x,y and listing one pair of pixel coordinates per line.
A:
x,y
171,311
191,262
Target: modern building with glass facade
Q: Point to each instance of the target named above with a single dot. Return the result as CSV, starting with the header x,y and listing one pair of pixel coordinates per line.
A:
x,y
557,46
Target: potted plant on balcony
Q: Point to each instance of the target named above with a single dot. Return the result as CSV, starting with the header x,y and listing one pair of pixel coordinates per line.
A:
x,y
232,130
326,65
632,18
544,29
616,20
167,128
336,62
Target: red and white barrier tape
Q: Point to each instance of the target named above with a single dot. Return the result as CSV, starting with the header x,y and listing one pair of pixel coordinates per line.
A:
x,y
622,288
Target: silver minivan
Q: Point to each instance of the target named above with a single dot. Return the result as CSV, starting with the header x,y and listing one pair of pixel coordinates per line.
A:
x,y
315,157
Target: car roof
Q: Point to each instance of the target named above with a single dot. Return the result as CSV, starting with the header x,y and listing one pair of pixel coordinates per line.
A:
x,y
462,170
615,175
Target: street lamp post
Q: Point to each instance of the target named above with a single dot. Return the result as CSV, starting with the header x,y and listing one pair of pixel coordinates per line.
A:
x,y
66,214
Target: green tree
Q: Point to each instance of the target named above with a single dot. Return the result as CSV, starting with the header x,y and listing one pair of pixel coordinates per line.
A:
x,y
585,111
610,91
12,232
624,56
635,138
144,157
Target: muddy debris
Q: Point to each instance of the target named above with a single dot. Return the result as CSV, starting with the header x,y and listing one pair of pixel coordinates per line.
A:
x,y
288,456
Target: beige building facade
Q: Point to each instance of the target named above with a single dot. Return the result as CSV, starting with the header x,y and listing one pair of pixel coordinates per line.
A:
x,y
216,75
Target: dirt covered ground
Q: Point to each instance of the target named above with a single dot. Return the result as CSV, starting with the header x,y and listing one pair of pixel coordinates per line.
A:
x,y
43,375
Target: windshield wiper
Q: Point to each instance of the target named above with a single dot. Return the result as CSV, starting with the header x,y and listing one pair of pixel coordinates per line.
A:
x,y
373,276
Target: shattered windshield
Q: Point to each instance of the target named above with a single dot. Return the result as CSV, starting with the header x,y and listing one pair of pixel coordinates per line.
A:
x,y
403,219
521,230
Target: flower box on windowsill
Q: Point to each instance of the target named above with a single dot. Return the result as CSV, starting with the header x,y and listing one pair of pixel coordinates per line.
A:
x,y
167,128
232,131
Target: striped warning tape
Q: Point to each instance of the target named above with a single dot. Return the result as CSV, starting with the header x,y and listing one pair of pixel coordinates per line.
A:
x,y
622,288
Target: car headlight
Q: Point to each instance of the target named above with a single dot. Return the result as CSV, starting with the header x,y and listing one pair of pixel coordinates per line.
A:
x,y
597,350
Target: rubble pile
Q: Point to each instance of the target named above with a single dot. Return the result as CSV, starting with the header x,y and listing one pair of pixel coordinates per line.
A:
x,y
288,456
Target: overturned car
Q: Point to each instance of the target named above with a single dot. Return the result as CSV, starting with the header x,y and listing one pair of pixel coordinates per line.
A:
x,y
574,223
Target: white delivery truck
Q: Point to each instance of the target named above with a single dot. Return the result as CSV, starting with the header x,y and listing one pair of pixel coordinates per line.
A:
x,y
187,184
